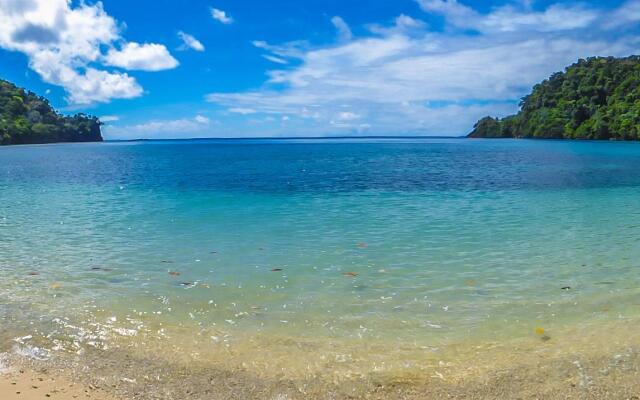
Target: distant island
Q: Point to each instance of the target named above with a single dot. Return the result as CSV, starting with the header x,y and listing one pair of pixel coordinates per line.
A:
x,y
26,118
596,98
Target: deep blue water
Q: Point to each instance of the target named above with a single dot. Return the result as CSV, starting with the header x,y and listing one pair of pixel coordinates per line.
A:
x,y
339,165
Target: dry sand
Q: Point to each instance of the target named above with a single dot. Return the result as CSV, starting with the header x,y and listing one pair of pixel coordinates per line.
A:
x,y
23,384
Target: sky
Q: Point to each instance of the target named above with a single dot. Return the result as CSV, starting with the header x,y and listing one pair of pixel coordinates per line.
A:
x,y
250,68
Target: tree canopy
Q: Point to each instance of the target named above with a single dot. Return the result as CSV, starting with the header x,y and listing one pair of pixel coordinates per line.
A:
x,y
26,118
596,98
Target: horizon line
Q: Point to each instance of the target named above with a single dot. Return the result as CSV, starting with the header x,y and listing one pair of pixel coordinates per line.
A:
x,y
286,138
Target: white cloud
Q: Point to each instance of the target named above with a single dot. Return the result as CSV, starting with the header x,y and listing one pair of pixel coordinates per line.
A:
x,y
202,119
64,46
281,54
344,32
109,118
242,110
184,127
348,116
275,59
510,18
626,14
406,22
406,79
190,42
402,24
143,57
221,16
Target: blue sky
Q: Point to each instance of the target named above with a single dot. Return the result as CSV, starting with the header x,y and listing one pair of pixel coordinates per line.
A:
x,y
223,68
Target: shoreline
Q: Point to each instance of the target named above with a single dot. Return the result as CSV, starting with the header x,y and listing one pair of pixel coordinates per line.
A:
x,y
613,377
574,365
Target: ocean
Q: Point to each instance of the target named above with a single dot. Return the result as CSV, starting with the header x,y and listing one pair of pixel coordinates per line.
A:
x,y
357,263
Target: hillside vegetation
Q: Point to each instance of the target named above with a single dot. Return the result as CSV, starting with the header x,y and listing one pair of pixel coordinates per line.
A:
x,y
26,118
597,98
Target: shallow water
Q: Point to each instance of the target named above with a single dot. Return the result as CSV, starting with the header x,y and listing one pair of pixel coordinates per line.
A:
x,y
341,256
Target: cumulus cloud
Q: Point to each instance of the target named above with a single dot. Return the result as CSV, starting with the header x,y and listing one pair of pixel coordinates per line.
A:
x,y
221,16
190,42
407,79
65,46
202,119
143,57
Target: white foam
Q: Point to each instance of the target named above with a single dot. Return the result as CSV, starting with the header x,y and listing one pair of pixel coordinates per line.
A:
x,y
125,332
32,352
4,368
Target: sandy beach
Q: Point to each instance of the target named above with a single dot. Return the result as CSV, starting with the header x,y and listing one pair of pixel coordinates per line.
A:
x,y
570,365
21,384
591,380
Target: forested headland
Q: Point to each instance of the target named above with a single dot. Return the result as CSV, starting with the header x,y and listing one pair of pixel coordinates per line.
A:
x,y
596,98
26,118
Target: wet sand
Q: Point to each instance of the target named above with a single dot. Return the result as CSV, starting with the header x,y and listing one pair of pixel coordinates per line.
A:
x,y
570,365
551,379
600,360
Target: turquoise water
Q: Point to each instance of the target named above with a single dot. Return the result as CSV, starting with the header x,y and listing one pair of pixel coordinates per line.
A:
x,y
424,243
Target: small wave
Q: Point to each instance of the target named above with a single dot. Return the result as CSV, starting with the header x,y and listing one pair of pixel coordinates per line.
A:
x,y
32,352
4,367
